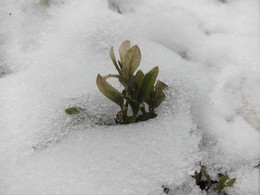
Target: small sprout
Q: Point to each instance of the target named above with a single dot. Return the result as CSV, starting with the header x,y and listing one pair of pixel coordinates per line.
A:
x,y
204,181
73,110
139,88
140,91
224,182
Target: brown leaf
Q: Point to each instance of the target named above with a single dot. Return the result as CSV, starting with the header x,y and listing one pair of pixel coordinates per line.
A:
x,y
109,91
123,49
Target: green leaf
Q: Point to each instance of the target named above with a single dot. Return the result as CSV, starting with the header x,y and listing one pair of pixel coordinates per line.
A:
x,y
147,84
221,182
109,91
161,85
149,99
138,78
73,110
223,179
158,99
157,96
132,61
113,58
123,49
231,182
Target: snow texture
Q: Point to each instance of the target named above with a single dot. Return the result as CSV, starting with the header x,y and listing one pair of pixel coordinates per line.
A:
x,y
50,54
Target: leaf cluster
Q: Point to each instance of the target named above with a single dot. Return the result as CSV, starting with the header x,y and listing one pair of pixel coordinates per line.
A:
x,y
140,90
204,181
224,182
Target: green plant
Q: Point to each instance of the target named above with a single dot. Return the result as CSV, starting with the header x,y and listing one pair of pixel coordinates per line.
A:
x,y
224,182
140,90
204,181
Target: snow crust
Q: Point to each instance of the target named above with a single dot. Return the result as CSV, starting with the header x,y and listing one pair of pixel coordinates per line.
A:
x,y
50,54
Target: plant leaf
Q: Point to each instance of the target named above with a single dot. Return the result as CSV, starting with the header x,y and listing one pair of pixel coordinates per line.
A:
x,y
147,84
149,99
138,78
221,182
132,61
109,91
123,49
231,182
73,110
158,99
157,96
161,85
113,58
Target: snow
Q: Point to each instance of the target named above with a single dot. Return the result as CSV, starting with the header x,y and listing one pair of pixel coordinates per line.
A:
x,y
50,54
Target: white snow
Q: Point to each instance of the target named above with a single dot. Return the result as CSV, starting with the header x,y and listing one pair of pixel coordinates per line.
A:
x,y
50,54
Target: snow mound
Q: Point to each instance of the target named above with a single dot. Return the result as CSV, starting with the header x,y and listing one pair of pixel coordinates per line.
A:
x,y
50,54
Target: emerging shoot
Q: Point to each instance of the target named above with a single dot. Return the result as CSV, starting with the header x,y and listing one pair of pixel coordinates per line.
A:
x,y
141,91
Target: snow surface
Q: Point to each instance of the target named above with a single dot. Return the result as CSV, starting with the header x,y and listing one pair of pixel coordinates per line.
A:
x,y
50,54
